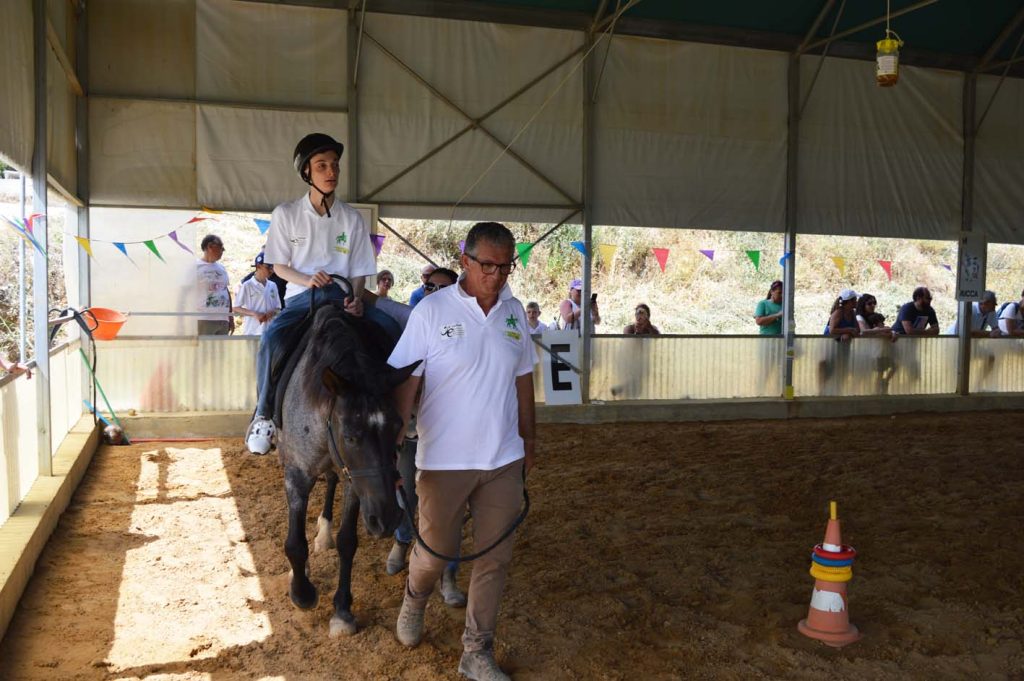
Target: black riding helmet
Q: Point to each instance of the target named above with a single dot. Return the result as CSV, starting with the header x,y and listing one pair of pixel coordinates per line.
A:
x,y
308,147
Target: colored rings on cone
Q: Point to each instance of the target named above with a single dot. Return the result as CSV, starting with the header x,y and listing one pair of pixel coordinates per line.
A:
x,y
847,553
818,572
831,563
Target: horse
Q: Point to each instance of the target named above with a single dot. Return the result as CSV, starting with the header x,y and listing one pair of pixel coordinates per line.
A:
x,y
337,416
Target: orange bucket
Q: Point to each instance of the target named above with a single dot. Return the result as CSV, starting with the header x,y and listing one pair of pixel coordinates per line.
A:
x,y
104,322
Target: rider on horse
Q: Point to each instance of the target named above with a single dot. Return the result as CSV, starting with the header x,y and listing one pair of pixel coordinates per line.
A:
x,y
310,239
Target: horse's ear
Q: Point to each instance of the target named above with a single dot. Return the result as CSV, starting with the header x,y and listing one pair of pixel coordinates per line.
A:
x,y
398,376
333,382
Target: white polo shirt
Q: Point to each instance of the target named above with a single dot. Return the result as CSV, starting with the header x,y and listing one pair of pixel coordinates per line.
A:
x,y
469,414
256,297
308,242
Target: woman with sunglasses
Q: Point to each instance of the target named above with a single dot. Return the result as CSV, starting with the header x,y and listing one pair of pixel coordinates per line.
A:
x,y
439,279
871,322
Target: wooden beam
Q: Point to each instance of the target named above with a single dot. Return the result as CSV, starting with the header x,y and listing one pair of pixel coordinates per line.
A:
x,y
62,58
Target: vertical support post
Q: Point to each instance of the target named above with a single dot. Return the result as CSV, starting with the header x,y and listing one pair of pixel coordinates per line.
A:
x,y
789,271
352,98
588,227
22,290
964,307
82,170
40,274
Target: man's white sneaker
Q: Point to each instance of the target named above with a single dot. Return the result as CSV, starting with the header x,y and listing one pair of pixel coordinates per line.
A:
x,y
479,665
259,435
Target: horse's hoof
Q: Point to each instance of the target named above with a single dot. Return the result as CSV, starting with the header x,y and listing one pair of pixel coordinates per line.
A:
x,y
304,597
324,541
340,627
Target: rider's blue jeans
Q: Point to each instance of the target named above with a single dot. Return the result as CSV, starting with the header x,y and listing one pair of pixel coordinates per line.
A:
x,y
296,309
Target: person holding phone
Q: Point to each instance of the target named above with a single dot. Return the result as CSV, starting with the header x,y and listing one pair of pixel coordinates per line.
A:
x,y
570,310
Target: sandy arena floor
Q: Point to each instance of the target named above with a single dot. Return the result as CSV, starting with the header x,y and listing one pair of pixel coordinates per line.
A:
x,y
654,551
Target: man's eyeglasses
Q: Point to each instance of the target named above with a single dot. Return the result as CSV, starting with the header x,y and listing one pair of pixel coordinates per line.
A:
x,y
492,267
431,286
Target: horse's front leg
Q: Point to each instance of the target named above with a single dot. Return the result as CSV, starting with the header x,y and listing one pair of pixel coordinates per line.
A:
x,y
324,540
297,485
343,622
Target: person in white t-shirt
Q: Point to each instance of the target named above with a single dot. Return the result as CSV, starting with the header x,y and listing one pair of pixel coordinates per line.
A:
x,y
1011,318
476,434
310,239
257,299
213,297
533,322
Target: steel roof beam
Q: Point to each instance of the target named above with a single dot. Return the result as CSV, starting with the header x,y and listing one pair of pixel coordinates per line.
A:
x,y
1004,35
825,9
868,24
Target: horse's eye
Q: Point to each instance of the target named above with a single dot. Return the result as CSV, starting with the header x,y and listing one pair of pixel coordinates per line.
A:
x,y
350,441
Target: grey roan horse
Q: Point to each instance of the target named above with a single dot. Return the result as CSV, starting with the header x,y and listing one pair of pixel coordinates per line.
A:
x,y
341,385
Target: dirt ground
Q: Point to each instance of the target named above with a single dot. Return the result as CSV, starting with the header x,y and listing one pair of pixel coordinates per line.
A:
x,y
653,551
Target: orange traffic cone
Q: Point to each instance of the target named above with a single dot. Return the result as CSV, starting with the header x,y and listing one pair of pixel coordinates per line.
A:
x,y
828,618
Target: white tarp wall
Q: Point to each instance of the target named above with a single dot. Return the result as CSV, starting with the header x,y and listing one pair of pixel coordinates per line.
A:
x,y
475,66
200,102
877,161
17,104
999,162
691,136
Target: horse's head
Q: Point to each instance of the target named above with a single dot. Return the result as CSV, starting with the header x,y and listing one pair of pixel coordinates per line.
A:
x,y
365,426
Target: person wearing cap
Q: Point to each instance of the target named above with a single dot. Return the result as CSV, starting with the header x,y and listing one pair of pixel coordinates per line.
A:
x,y
310,239
256,299
917,318
768,313
842,322
418,294
983,314
214,298
570,310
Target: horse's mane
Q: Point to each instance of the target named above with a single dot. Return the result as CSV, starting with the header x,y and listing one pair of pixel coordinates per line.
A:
x,y
354,349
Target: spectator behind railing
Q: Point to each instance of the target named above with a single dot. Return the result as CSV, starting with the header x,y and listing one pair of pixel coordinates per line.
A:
x,y
385,280
768,313
917,318
842,323
1011,317
533,321
983,314
872,323
642,326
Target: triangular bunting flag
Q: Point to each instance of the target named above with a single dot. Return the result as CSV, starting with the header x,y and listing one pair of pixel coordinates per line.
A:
x,y
840,264
462,246
262,225
19,227
207,209
29,222
755,257
948,267
710,253
378,242
84,243
607,253
661,254
152,246
784,258
578,245
196,219
119,246
524,249
174,238
887,266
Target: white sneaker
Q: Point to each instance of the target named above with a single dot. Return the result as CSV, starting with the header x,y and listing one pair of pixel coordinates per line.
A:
x,y
259,435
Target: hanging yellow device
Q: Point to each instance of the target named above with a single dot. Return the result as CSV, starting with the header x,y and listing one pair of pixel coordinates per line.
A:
x,y
887,65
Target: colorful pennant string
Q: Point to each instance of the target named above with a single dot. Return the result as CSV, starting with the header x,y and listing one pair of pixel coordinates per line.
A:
x,y
607,253
661,254
710,253
523,249
262,225
887,266
840,265
174,237
378,242
755,257
579,246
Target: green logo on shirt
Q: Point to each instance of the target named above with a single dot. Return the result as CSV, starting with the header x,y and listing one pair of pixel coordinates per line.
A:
x,y
512,322
343,239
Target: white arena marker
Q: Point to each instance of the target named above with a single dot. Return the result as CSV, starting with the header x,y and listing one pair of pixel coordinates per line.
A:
x,y
834,548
